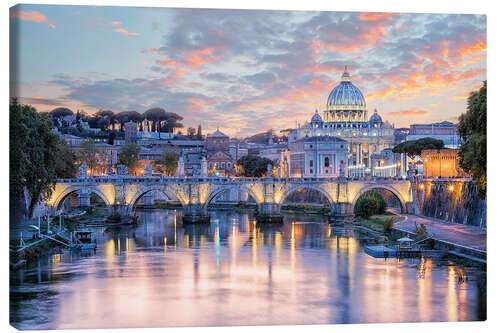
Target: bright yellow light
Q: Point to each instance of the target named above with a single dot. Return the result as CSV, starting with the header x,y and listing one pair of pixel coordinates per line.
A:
x,y
451,188
421,186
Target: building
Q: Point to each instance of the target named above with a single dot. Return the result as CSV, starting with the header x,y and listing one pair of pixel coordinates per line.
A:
x,y
130,132
445,131
219,155
441,163
222,162
346,118
316,156
387,164
217,141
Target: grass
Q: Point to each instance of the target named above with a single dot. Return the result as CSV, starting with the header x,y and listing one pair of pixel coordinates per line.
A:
x,y
381,223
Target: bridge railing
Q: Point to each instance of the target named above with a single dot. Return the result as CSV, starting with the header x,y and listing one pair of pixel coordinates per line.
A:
x,y
218,180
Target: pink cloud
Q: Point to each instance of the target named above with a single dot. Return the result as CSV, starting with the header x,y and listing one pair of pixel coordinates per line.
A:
x,y
150,50
125,32
407,113
116,23
31,15
52,26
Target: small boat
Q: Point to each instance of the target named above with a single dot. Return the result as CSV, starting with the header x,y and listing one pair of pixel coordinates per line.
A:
x,y
84,240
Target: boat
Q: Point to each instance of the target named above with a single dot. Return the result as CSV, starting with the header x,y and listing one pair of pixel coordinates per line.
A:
x,y
84,240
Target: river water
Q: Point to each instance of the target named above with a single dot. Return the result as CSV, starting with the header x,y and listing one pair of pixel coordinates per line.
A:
x,y
235,272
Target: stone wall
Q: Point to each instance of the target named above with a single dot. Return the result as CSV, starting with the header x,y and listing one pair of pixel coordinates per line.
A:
x,y
452,200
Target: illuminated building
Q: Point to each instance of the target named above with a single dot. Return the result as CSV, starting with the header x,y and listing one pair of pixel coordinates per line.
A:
x,y
441,163
346,117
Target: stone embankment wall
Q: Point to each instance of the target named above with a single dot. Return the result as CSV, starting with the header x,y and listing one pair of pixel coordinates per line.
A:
x,y
452,200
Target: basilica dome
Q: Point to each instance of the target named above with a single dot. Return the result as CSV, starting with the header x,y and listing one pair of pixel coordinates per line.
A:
x,y
346,96
375,118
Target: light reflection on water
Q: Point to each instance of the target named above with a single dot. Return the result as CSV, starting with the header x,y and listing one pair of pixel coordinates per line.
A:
x,y
234,272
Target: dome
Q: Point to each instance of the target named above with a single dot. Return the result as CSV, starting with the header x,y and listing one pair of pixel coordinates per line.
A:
x,y
346,96
375,118
316,118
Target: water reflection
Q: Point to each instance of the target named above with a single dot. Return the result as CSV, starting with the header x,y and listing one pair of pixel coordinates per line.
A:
x,y
234,271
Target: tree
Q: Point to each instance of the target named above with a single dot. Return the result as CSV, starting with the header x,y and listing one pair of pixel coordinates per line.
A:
x,y
415,147
191,132
60,112
65,161
129,156
252,166
89,154
472,130
33,156
369,203
167,164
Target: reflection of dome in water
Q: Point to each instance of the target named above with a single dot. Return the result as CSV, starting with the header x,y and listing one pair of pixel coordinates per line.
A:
x,y
346,96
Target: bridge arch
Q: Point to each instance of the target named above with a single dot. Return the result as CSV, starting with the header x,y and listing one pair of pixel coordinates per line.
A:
x,y
165,190
215,191
292,189
391,189
78,190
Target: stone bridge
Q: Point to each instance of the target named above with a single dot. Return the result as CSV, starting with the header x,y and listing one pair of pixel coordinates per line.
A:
x,y
195,194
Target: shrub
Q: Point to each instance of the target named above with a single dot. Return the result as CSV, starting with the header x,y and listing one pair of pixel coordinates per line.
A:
x,y
369,203
366,207
420,230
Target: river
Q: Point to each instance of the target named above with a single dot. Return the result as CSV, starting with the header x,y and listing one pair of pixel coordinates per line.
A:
x,y
235,272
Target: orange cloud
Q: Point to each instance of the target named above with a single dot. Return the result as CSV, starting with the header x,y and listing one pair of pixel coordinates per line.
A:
x,y
150,50
31,15
168,62
407,113
125,32
116,23
373,16
198,58
52,26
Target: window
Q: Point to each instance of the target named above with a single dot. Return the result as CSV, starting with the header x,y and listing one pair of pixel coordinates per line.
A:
x,y
326,171
223,165
341,146
311,163
327,162
310,170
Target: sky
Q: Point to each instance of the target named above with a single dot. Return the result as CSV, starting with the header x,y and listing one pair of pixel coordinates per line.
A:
x,y
244,71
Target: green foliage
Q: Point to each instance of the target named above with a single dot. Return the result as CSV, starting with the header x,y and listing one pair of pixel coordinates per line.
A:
x,y
472,129
129,155
167,164
260,137
65,162
33,154
88,154
370,203
414,147
60,112
252,166
420,230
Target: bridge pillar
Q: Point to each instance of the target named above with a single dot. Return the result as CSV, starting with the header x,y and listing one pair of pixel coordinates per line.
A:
x,y
341,212
148,199
269,211
194,213
84,199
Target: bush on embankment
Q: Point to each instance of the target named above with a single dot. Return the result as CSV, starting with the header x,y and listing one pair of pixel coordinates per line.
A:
x,y
370,203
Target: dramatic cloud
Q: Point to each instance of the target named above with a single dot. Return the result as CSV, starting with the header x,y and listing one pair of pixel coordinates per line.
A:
x,y
246,71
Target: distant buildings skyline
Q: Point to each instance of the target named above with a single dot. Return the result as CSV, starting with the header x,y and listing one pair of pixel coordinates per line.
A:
x,y
244,71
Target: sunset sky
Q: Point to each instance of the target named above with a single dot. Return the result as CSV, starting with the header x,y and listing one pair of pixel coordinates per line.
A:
x,y
244,71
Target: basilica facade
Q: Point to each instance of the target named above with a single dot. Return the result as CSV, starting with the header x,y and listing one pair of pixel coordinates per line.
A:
x,y
346,118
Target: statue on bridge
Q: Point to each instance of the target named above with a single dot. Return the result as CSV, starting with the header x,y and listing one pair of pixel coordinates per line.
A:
x,y
82,171
121,170
148,170
180,166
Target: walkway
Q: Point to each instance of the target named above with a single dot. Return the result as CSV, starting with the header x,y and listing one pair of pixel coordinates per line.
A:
x,y
459,234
